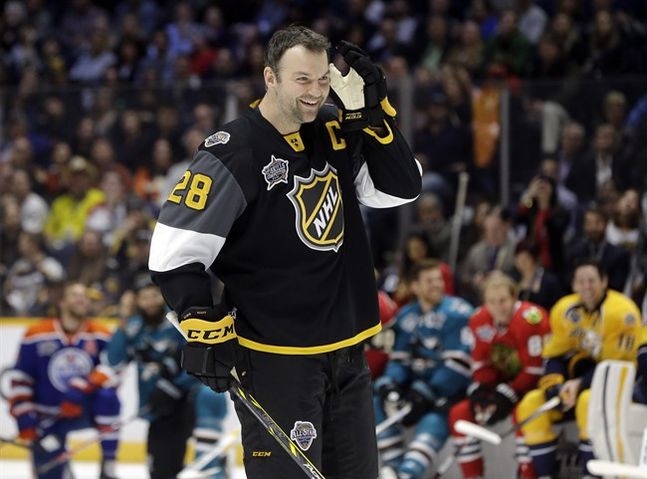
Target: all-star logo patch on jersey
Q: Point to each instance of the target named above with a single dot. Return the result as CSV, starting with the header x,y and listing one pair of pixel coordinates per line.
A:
x,y
276,171
318,207
218,138
303,433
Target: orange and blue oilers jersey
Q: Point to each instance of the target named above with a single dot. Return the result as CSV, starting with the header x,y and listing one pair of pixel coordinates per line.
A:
x,y
49,358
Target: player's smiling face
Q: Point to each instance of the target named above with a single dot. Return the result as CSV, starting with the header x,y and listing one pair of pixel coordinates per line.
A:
x,y
431,286
303,84
500,303
589,285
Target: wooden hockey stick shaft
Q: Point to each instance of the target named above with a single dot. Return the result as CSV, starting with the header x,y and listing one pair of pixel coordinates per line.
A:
x,y
264,418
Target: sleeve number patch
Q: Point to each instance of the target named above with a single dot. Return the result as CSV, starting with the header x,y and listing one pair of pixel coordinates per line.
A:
x,y
196,196
534,345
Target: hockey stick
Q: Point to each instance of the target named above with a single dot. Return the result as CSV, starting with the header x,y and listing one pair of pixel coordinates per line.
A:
x,y
474,430
608,468
457,220
264,418
65,456
392,419
195,469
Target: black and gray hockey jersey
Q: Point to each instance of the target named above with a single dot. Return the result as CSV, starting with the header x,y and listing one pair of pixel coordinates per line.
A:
x,y
277,219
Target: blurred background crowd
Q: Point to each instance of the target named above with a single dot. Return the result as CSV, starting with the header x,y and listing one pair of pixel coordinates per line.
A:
x,y
543,103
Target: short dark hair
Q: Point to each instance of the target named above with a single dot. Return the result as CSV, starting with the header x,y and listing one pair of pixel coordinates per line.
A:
x,y
583,262
425,264
597,210
289,37
527,246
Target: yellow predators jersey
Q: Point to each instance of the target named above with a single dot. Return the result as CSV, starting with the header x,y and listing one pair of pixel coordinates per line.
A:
x,y
609,332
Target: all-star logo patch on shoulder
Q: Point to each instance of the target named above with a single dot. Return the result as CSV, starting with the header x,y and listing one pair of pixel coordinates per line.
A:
x,y
218,138
276,171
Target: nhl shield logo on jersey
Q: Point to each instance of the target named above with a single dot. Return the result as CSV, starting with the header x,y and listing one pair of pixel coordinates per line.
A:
x,y
276,171
319,212
218,138
303,433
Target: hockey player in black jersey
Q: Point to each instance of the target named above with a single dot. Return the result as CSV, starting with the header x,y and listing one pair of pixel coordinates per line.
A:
x,y
270,203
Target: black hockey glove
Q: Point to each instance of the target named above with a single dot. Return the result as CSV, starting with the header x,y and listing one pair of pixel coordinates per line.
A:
x,y
361,94
388,392
504,398
164,398
481,399
209,354
422,400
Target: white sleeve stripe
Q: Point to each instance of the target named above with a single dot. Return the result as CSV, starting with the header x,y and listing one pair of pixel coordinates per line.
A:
x,y
174,247
369,195
534,370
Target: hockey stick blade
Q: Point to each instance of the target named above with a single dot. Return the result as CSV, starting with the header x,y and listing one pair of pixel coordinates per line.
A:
x,y
479,432
392,419
197,474
194,469
608,468
474,430
264,418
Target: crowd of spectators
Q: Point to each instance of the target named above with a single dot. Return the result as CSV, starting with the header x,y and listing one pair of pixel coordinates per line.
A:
x,y
104,103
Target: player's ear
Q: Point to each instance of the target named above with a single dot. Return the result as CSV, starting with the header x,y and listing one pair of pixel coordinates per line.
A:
x,y
269,76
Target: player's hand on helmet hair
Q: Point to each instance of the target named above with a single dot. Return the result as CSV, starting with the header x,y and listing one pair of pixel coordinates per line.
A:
x,y
361,93
210,352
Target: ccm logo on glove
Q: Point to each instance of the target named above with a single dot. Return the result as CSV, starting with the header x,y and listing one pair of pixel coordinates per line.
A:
x,y
209,332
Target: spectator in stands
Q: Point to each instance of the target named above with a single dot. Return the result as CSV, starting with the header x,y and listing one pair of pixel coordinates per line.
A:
x,y
624,228
444,143
66,221
106,217
544,220
91,65
132,143
535,283
430,219
28,277
494,252
468,53
508,51
569,37
532,20
601,166
9,233
437,44
593,244
33,208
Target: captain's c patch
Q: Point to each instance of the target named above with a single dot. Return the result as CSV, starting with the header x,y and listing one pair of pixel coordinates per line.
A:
x,y
319,212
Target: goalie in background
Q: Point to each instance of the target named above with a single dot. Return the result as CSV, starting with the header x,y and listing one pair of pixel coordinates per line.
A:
x,y
506,362
179,406
429,368
588,326
59,386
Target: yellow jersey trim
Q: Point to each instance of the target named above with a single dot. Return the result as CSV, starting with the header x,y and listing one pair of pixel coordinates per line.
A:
x,y
324,348
386,139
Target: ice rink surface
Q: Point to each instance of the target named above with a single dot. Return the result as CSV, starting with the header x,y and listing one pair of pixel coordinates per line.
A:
x,y
10,469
